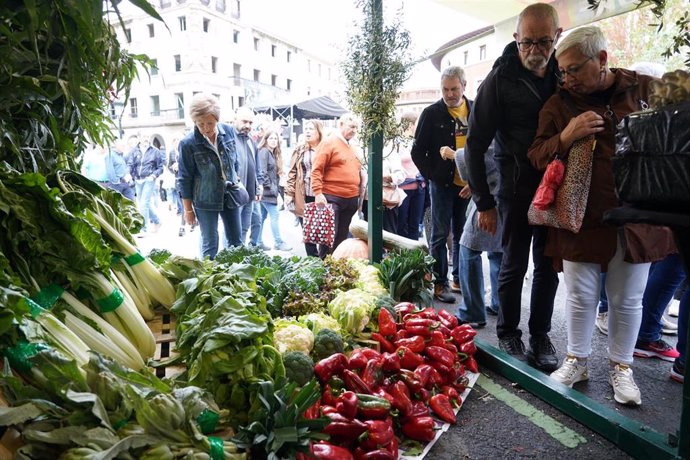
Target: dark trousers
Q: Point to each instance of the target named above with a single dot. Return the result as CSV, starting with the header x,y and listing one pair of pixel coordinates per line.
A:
x,y
344,209
410,213
390,217
516,239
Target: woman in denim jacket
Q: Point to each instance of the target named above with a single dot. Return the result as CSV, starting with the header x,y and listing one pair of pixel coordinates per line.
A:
x,y
208,159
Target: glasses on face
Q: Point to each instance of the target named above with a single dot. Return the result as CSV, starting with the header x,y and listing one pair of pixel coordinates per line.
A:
x,y
573,70
527,45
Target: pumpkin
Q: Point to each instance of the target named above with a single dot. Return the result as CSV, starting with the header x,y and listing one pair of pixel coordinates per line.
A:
x,y
352,248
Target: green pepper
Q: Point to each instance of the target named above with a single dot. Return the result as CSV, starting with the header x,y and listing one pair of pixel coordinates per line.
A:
x,y
372,407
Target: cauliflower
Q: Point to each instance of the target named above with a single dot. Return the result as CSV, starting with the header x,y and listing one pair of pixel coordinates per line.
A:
x,y
369,279
289,335
352,309
318,321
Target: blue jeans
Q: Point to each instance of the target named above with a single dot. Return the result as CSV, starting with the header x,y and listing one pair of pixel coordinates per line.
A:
x,y
472,307
174,199
208,225
145,190
271,209
410,213
249,222
603,300
448,213
256,225
664,277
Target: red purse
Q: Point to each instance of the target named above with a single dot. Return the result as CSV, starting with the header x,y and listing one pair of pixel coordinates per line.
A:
x,y
319,224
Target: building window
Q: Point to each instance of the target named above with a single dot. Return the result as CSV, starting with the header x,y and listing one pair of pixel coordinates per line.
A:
x,y
207,22
152,32
220,6
289,85
235,8
289,55
256,44
273,50
128,35
183,23
154,67
274,80
214,64
319,70
257,74
308,65
236,73
235,36
179,98
165,3
482,52
178,63
465,57
155,106
133,110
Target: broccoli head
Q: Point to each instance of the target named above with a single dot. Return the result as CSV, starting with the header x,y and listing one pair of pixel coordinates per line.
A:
x,y
299,367
326,343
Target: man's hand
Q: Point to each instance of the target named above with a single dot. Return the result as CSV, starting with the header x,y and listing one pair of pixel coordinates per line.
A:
x,y
190,217
320,200
487,220
447,153
466,192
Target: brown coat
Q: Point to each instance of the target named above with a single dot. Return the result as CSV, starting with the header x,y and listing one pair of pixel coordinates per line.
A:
x,y
596,242
295,187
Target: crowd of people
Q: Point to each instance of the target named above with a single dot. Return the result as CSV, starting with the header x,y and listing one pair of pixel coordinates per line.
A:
x,y
469,170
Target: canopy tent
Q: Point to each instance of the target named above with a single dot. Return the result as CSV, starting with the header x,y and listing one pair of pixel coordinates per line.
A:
x,y
318,107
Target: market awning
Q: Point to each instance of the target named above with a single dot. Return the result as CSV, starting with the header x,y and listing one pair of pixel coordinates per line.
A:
x,y
318,107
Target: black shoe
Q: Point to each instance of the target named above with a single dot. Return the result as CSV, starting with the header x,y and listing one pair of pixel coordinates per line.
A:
x,y
181,232
513,346
474,324
542,354
490,311
443,294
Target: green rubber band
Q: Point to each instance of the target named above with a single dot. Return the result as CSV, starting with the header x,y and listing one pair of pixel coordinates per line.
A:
x,y
207,421
35,310
216,452
120,424
20,355
47,296
134,259
111,302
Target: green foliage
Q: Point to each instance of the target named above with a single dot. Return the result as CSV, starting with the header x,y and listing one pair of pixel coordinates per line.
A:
x,y
60,59
299,368
407,272
378,64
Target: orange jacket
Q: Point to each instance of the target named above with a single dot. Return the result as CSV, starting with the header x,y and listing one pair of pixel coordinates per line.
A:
x,y
336,169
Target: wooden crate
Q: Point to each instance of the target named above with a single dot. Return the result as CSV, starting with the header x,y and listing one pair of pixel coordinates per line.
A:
x,y
163,328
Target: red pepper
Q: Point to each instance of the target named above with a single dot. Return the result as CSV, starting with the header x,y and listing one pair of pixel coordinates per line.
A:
x,y
448,319
360,356
452,394
440,354
429,312
435,378
401,397
379,434
462,333
442,369
423,373
326,451
451,347
421,326
441,406
435,339
378,454
410,380
328,367
345,431
313,411
423,395
328,410
384,343
372,407
373,373
381,393
387,324
391,362
471,364
419,409
401,334
415,343
329,395
420,428
404,308
408,358
461,384
354,382
468,348
346,404
392,448
409,316
444,330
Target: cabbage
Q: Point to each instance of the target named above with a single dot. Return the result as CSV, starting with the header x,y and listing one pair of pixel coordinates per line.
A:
x,y
369,279
318,321
351,309
290,335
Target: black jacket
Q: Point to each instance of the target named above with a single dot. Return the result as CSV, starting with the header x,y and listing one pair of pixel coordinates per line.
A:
x,y
507,108
435,129
142,165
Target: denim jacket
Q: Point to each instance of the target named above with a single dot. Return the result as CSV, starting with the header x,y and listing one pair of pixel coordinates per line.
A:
x,y
199,175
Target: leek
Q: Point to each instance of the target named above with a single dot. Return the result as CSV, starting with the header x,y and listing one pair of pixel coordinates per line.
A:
x,y
126,286
61,336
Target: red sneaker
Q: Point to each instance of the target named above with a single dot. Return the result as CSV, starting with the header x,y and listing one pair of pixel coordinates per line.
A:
x,y
658,349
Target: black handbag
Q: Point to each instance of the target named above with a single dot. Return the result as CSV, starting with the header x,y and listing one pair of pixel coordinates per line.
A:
x,y
235,196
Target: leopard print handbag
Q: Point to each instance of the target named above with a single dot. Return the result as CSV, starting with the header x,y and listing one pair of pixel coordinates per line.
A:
x,y
568,209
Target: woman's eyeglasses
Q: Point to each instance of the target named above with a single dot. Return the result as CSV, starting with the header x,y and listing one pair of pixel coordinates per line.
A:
x,y
573,70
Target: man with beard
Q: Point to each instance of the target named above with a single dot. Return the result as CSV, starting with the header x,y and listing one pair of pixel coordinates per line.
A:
x,y
249,174
507,109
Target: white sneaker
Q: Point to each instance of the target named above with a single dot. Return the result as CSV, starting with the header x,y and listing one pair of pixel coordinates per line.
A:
x,y
673,308
570,372
624,389
667,327
602,322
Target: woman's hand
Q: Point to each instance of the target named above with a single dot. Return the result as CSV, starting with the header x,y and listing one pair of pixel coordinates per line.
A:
x,y
466,192
581,126
320,200
447,153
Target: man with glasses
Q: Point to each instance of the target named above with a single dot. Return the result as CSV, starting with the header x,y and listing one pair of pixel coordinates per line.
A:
x,y
507,109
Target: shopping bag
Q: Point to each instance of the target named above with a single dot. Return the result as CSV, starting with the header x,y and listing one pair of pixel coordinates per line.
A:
x,y
570,203
319,224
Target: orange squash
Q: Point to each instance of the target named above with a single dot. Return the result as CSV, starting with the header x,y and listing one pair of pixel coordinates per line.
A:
x,y
352,248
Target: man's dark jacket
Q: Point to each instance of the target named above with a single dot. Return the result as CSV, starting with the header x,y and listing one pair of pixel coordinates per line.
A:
x,y
435,129
143,165
507,108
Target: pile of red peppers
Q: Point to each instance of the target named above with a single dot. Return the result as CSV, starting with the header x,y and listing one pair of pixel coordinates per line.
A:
x,y
375,398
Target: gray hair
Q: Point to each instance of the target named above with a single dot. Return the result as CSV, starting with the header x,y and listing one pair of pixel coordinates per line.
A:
x,y
454,71
348,118
539,11
204,104
587,40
